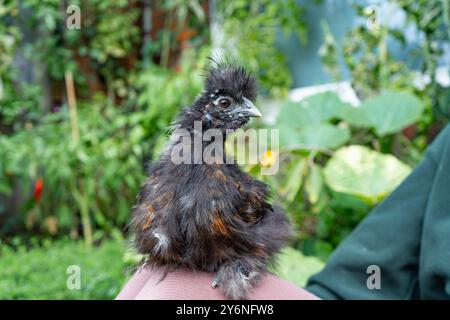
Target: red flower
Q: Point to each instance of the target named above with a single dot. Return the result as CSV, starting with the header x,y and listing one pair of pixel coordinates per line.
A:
x,y
38,189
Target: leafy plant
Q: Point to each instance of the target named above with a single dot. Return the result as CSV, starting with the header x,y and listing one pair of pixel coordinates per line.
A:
x,y
432,18
386,113
332,169
16,101
367,53
162,92
78,176
257,23
306,124
364,173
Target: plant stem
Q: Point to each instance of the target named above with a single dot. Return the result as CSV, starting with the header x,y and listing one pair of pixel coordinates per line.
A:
x,y
83,205
446,11
72,101
165,50
383,53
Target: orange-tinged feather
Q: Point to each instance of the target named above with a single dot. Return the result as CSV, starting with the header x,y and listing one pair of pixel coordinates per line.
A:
x,y
219,226
219,175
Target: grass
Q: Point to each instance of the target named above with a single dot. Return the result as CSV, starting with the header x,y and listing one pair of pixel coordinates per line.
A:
x,y
41,273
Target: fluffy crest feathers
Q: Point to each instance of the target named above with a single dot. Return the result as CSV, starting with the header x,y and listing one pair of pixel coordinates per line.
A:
x,y
231,79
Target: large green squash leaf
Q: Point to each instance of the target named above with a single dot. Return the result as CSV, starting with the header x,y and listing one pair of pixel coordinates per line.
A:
x,y
364,173
319,136
315,109
387,113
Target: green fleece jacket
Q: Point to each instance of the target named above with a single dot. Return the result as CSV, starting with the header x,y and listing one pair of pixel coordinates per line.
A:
x,y
406,240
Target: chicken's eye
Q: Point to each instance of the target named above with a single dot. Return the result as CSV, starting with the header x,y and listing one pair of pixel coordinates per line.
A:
x,y
224,103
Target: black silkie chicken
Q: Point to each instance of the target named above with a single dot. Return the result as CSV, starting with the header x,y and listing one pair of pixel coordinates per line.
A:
x,y
211,217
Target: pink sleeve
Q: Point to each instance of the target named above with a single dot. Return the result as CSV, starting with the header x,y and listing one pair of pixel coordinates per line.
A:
x,y
190,285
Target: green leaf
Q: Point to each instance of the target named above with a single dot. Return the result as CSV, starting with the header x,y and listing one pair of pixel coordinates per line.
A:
x,y
312,110
344,201
295,179
314,183
320,136
367,174
65,216
387,113
296,267
5,188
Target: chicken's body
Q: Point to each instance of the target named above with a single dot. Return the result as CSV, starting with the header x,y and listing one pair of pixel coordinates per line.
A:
x,y
210,217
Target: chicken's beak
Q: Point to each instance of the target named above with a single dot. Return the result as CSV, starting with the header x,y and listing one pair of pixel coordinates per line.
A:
x,y
250,110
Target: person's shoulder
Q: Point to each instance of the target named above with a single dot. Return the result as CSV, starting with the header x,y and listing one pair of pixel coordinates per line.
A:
x,y
184,284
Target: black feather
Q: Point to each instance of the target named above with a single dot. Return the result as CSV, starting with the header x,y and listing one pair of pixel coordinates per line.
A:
x,y
230,79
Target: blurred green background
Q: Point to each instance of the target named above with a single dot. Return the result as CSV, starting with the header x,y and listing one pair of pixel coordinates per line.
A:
x,y
73,153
